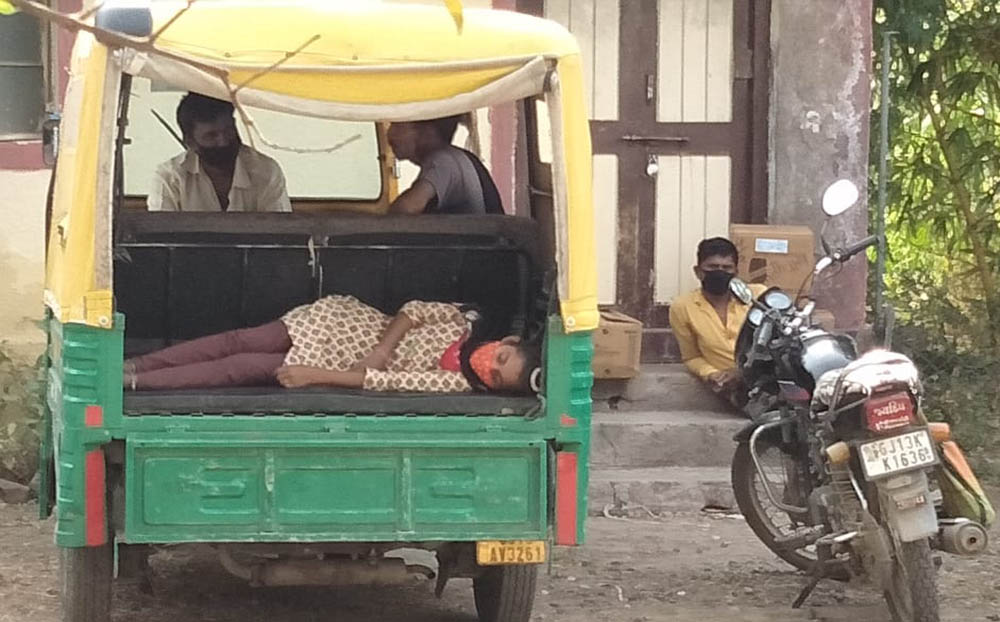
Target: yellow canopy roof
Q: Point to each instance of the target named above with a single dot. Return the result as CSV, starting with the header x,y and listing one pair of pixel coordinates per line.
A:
x,y
352,40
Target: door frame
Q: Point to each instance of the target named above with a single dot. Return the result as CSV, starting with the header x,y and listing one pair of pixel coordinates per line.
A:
x,y
744,139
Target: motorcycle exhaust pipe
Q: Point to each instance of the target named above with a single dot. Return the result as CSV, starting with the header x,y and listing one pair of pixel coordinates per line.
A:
x,y
963,537
293,572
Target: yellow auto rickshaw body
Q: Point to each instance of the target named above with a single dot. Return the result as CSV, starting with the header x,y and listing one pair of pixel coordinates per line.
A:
x,y
488,482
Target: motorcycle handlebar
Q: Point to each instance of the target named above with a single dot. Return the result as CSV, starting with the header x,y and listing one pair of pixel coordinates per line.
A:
x,y
842,256
853,250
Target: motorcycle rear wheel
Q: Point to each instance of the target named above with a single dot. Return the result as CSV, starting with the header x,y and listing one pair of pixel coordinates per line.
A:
x,y
768,522
912,595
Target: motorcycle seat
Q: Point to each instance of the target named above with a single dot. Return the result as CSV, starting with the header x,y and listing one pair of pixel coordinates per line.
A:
x,y
868,374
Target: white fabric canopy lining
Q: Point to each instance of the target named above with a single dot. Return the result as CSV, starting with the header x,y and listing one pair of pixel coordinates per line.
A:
x,y
526,81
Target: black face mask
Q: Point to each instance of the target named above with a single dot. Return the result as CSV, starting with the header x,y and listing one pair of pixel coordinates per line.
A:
x,y
716,282
220,156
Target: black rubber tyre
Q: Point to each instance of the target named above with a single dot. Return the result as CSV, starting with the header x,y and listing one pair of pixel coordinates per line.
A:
x,y
913,596
86,584
744,480
506,593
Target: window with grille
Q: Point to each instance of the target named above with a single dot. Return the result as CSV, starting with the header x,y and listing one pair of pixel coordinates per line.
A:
x,y
22,77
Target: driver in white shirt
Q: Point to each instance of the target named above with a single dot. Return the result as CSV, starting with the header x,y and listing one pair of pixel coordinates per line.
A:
x,y
217,172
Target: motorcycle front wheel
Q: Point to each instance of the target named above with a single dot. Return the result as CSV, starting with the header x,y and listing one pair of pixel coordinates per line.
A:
x,y
775,527
912,594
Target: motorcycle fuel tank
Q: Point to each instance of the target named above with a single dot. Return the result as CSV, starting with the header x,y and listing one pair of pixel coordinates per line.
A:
x,y
823,352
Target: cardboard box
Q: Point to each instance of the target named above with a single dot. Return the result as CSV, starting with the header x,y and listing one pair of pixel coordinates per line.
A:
x,y
775,255
617,346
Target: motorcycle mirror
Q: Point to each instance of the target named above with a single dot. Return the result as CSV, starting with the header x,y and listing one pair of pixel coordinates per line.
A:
x,y
839,197
741,290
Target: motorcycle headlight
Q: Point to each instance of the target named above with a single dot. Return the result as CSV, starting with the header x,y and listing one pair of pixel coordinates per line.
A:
x,y
777,299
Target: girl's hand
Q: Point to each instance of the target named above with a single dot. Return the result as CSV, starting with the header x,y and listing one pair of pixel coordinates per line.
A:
x,y
376,359
294,376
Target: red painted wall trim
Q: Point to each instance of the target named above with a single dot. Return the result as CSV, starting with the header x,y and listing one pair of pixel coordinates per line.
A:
x,y
567,477
21,155
95,514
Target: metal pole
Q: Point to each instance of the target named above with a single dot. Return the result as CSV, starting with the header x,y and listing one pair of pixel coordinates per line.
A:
x,y
882,181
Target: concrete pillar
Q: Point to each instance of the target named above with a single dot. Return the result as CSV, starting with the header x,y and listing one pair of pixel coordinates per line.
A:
x,y
820,103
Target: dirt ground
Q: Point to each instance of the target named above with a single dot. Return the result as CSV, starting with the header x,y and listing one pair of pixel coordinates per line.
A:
x,y
683,567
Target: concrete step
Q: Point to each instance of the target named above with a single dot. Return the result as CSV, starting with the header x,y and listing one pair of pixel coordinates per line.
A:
x,y
661,387
660,489
660,346
655,439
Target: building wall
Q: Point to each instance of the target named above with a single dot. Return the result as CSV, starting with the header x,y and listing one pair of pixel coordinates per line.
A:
x,y
25,180
21,260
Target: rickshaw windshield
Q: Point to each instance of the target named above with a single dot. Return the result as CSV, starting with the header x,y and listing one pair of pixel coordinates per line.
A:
x,y
320,158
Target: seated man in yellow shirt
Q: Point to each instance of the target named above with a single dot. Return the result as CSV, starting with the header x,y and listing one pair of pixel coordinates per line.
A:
x,y
708,320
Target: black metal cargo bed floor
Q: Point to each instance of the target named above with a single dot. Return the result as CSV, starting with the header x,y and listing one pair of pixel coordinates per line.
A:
x,y
321,400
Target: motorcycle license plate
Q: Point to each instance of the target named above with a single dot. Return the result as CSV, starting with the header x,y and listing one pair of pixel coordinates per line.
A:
x,y
897,454
497,553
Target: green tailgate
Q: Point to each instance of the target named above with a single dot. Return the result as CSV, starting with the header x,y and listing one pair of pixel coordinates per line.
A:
x,y
319,490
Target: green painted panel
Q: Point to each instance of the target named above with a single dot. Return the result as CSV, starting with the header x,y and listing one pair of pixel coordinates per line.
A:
x,y
455,489
192,490
84,369
315,489
341,487
569,382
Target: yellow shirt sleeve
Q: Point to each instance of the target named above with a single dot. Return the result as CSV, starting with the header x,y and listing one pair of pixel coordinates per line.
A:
x,y
680,323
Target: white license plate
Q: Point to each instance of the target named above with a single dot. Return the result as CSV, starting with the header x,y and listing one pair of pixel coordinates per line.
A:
x,y
897,453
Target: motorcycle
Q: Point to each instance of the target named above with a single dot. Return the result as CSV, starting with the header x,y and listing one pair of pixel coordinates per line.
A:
x,y
835,473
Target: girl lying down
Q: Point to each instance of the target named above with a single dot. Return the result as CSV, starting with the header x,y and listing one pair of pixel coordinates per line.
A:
x,y
340,341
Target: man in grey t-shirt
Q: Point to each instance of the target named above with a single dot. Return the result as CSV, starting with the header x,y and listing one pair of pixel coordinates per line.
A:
x,y
451,180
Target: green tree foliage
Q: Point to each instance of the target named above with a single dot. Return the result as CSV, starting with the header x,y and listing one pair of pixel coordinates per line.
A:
x,y
943,218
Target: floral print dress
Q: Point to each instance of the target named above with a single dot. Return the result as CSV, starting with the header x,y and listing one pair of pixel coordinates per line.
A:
x,y
336,332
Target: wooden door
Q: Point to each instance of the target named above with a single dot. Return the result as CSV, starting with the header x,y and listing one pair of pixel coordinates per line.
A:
x,y
679,133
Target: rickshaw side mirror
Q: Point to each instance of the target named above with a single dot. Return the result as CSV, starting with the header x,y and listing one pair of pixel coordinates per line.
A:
x,y
50,140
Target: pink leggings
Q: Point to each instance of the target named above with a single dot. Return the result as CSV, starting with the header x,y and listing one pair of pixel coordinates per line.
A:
x,y
244,357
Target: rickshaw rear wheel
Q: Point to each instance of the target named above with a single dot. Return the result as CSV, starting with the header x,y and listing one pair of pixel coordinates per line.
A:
x,y
86,583
505,593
